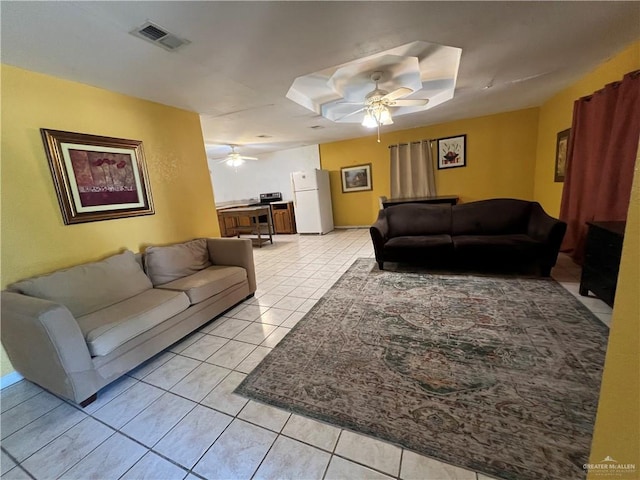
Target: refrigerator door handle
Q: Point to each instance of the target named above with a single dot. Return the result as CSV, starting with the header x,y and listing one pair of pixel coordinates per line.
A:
x,y
293,190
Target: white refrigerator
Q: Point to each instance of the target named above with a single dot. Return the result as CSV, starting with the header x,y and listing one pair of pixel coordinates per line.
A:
x,y
312,201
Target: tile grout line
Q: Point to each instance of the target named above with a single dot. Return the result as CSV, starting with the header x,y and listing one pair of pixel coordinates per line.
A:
x,y
118,431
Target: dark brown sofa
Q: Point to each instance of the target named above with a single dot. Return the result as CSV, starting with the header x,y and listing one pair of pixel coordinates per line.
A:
x,y
502,234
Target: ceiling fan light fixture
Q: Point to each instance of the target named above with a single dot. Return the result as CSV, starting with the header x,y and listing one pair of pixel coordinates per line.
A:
x,y
385,117
369,121
377,115
234,161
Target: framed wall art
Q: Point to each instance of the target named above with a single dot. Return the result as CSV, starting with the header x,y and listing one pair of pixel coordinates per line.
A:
x,y
452,152
562,142
356,179
97,178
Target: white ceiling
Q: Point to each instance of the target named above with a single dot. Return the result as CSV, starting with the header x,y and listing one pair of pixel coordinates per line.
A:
x,y
427,69
244,56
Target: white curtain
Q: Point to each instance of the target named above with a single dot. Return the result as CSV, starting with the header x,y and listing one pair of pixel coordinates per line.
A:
x,y
412,173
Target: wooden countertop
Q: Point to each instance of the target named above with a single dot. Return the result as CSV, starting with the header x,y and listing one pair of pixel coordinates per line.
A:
x,y
233,205
257,209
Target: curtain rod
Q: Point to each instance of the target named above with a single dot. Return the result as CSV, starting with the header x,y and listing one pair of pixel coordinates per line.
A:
x,y
413,143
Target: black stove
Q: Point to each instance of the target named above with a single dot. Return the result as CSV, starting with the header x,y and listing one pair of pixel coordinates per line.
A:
x,y
266,198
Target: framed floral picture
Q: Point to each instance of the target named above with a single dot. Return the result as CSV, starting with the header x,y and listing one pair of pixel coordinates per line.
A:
x,y
562,141
452,152
97,178
356,179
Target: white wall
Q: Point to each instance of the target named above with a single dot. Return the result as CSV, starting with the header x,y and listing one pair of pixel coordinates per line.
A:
x,y
268,174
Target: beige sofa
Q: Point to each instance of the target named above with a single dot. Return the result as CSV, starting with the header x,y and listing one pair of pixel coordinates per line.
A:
x,y
76,330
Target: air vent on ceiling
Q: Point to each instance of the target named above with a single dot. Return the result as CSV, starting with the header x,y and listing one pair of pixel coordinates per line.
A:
x,y
159,36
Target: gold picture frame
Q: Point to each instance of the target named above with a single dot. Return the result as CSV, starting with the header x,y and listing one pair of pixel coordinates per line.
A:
x,y
356,178
97,178
562,143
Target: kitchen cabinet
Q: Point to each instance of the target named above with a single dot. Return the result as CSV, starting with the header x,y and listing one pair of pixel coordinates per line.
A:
x,y
284,220
255,227
229,225
244,221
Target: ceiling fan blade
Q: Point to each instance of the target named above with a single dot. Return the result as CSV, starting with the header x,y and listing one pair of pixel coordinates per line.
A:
x,y
410,103
248,158
398,93
352,113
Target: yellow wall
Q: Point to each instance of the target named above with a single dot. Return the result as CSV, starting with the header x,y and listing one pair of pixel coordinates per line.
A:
x,y
500,163
556,114
617,429
34,237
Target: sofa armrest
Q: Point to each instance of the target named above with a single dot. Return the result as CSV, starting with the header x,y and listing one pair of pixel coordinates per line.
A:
x,y
45,344
548,230
236,252
379,232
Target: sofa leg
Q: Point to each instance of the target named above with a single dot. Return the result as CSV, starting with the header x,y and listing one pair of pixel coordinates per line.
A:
x,y
251,295
89,400
381,265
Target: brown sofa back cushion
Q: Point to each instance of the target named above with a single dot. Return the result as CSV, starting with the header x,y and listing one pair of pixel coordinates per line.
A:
x,y
500,216
411,219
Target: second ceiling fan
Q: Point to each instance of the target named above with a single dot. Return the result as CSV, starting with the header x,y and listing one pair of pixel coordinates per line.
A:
x,y
234,159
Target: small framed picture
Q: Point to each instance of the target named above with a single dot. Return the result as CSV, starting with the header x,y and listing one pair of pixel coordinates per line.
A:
x,y
356,179
562,143
452,152
97,178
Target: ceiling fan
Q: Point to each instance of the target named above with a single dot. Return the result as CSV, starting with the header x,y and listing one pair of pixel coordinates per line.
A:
x,y
234,159
376,104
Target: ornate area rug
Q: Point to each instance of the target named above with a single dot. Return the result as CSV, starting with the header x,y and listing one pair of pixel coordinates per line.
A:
x,y
497,375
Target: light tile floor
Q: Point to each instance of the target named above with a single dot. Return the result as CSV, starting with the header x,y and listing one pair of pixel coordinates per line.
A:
x,y
176,417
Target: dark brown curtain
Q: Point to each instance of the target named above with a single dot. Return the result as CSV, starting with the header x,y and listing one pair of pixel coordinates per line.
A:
x,y
600,159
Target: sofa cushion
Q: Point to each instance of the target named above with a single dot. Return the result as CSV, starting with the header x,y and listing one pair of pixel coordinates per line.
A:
x,y
433,249
498,216
169,263
90,287
518,240
107,329
502,249
208,282
419,242
418,219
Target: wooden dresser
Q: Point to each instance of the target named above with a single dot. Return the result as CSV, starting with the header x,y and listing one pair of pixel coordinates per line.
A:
x,y
602,260
450,199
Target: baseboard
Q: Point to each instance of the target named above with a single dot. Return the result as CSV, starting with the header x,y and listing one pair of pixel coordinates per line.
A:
x,y
10,379
347,227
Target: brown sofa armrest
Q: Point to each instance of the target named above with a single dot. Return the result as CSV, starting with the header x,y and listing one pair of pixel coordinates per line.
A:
x,y
379,232
236,252
548,230
45,345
